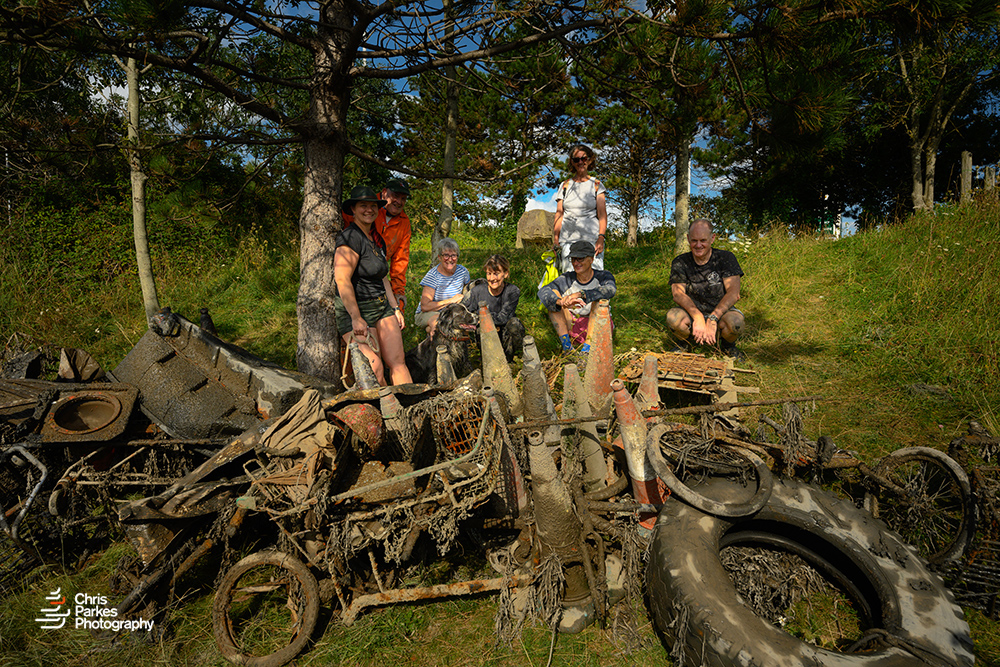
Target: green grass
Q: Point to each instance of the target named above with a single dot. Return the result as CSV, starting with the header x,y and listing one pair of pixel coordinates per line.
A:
x,y
859,321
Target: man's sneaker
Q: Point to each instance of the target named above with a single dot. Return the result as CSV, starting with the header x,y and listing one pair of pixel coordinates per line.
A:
x,y
730,350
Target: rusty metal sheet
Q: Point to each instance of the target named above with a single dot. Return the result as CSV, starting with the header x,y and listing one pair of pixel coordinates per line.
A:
x,y
680,369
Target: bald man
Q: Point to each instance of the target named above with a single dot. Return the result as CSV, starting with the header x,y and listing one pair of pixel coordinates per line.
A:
x,y
705,284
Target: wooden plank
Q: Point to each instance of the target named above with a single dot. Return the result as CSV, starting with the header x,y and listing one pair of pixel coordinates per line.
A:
x,y
728,390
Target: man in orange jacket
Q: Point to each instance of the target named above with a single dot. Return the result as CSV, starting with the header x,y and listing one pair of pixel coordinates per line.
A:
x,y
394,226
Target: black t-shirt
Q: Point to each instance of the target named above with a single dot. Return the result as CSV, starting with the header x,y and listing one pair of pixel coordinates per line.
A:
x,y
704,283
502,307
372,265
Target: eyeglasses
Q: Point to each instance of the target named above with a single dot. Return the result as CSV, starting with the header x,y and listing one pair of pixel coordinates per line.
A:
x,y
448,256
580,159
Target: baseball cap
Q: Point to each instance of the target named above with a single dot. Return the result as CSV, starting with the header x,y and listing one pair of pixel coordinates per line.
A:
x,y
398,185
582,249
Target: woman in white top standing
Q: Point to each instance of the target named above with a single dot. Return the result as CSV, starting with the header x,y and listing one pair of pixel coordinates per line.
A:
x,y
581,211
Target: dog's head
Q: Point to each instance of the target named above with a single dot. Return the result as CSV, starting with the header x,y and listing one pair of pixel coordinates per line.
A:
x,y
455,321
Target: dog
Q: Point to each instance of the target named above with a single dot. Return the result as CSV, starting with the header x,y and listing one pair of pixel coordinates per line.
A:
x,y
455,327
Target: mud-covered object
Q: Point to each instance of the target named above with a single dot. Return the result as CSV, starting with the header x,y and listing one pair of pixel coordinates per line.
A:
x,y
194,385
76,365
27,365
905,607
303,426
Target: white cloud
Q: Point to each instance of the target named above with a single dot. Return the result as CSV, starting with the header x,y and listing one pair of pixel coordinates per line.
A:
x,y
534,204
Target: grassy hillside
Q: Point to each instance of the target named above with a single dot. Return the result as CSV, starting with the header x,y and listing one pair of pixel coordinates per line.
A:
x,y
868,322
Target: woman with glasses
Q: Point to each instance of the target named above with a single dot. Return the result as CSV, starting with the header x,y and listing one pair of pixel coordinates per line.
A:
x,y
442,285
365,307
581,211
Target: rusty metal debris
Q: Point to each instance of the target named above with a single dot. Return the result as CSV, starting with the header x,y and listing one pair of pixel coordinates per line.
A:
x,y
975,577
345,491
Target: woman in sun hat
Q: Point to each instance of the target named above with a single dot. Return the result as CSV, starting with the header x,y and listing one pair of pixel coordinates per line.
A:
x,y
365,307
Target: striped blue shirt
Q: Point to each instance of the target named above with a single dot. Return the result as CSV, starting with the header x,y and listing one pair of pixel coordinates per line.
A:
x,y
446,286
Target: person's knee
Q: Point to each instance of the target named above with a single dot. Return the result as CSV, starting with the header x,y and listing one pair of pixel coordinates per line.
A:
x,y
431,328
679,322
423,320
731,326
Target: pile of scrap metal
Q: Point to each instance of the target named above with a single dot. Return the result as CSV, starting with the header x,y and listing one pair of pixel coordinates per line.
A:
x,y
91,438
975,575
340,498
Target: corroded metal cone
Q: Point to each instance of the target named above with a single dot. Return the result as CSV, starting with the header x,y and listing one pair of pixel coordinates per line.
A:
x,y
496,371
648,395
645,483
559,528
537,401
363,373
575,404
530,350
600,361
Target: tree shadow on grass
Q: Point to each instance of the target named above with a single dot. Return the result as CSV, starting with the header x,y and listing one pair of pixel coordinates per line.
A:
x,y
764,340
782,350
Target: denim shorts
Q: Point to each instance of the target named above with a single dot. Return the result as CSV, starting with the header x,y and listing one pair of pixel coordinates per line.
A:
x,y
372,310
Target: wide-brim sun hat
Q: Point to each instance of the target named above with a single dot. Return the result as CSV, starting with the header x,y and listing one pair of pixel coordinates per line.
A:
x,y
361,193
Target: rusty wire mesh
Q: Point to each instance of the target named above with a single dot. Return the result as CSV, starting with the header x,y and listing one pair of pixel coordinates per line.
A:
x,y
975,579
456,425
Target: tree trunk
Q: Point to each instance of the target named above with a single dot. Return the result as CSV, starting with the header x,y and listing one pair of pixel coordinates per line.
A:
x,y
443,227
142,260
682,197
319,220
917,173
447,215
930,169
633,221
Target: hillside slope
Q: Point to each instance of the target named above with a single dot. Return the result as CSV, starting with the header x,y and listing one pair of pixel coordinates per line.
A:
x,y
895,326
